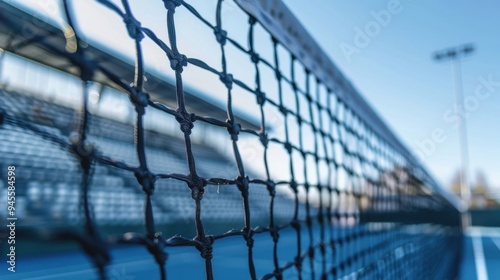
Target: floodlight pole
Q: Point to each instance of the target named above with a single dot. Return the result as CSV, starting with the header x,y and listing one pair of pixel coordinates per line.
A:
x,y
454,54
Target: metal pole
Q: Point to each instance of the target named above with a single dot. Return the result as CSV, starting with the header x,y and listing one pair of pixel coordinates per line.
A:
x,y
465,191
454,54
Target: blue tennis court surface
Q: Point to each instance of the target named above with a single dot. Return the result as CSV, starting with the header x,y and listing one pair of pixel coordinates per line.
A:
x,y
230,259
481,254
481,260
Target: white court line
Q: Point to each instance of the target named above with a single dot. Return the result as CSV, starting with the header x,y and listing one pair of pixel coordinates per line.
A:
x,y
485,231
477,246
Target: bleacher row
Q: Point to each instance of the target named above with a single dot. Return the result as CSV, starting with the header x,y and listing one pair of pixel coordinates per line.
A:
x,y
48,177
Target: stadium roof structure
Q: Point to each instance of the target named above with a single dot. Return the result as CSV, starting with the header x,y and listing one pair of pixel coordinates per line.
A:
x,y
28,36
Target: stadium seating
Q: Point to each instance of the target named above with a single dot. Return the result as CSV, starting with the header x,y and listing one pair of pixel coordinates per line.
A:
x,y
49,177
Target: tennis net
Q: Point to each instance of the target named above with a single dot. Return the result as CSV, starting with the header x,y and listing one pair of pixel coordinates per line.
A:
x,y
318,161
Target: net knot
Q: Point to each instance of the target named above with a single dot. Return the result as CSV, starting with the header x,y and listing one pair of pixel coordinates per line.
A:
x,y
155,246
227,79
314,128
288,147
309,97
271,187
274,234
220,35
294,186
197,193
248,236
342,266
171,4
299,120
178,62
234,130
322,248
274,40
323,133
295,224
206,247
146,180
337,216
355,257
139,98
197,185
303,154
249,242
278,75
84,151
320,218
264,139
252,20
254,57
261,97
298,263
349,261
185,120
92,244
283,110
133,28
319,106
311,253
243,183
334,271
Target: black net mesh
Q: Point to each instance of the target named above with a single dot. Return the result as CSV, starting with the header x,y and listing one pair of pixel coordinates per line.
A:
x,y
357,206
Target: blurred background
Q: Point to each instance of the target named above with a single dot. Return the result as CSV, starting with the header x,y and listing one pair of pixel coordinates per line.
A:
x,y
387,48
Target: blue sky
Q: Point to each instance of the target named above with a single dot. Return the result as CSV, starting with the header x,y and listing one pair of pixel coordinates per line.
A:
x,y
396,74
392,68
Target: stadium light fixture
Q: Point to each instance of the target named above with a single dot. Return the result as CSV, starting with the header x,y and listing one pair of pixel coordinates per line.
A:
x,y
455,54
